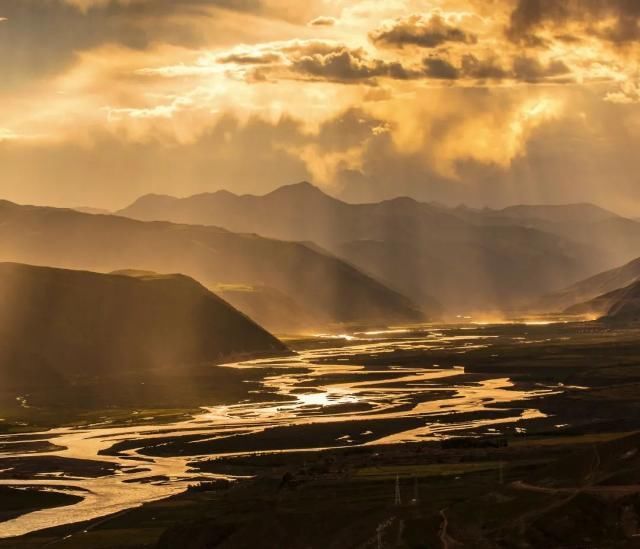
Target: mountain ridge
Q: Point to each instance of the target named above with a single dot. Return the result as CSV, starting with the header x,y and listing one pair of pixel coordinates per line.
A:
x,y
212,255
311,189
466,258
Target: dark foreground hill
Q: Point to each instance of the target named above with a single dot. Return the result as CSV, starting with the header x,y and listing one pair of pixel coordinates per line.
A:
x,y
329,290
56,324
467,259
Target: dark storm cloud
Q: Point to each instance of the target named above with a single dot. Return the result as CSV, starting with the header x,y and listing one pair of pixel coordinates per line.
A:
x,y
342,64
530,69
41,37
318,60
435,67
421,31
315,60
530,16
523,69
482,69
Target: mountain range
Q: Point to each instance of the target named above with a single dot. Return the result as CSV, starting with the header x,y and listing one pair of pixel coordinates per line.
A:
x,y
468,259
326,288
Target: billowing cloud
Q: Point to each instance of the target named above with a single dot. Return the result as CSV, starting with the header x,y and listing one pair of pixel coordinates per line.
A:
x,y
616,21
483,69
425,31
44,38
530,69
316,60
465,100
440,69
344,65
628,93
522,69
456,145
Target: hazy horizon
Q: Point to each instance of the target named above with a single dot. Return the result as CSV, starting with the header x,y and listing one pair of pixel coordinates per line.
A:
x,y
92,208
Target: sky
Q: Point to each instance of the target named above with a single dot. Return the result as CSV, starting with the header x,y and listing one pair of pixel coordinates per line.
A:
x,y
482,102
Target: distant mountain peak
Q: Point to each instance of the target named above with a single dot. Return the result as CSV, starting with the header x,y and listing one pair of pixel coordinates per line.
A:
x,y
302,189
156,196
153,198
301,185
401,200
222,192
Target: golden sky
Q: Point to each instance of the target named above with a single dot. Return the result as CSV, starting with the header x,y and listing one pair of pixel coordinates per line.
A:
x,y
487,102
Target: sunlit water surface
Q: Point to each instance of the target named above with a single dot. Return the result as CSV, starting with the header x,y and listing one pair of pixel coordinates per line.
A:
x,y
316,386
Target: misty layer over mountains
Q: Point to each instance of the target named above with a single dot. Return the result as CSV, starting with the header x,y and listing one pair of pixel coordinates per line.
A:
x,y
57,325
325,288
469,260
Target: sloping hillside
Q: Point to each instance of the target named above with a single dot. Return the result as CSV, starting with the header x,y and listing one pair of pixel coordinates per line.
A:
x,y
586,291
327,287
56,323
269,307
622,305
626,308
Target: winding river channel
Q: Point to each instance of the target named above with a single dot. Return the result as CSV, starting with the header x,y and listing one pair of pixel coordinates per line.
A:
x,y
314,387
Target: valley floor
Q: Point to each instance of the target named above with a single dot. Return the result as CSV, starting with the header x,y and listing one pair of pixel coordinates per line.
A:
x,y
476,436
